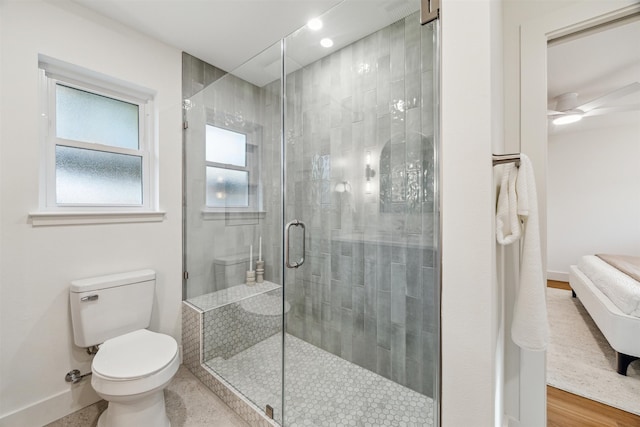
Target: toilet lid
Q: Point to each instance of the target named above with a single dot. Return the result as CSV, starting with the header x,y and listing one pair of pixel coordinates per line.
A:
x,y
134,355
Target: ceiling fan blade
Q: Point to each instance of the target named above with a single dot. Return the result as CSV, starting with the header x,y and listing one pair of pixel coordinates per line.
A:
x,y
618,93
554,113
608,110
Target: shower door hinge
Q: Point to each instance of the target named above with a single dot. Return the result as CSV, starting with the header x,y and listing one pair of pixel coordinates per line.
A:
x,y
185,125
185,275
429,11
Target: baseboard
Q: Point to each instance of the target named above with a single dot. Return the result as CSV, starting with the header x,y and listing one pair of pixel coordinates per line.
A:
x,y
53,408
558,275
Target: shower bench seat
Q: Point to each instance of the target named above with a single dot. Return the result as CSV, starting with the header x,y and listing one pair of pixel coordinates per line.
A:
x,y
224,323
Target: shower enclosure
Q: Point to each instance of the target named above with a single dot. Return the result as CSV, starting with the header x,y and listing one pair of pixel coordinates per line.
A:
x,y
311,220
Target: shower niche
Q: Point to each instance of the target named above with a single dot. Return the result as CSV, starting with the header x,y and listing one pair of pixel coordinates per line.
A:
x,y
344,141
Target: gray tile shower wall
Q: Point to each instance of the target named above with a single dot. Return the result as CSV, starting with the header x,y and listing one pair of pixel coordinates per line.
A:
x,y
197,74
271,225
368,290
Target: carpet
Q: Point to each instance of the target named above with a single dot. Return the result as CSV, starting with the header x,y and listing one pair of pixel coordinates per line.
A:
x,y
581,361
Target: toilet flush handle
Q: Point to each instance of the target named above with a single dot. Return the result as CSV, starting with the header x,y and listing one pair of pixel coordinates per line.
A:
x,y
89,298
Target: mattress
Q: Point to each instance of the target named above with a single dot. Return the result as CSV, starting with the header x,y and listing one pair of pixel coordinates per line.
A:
x,y
620,288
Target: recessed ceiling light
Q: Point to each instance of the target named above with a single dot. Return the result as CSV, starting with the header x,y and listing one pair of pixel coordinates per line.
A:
x,y
326,42
314,24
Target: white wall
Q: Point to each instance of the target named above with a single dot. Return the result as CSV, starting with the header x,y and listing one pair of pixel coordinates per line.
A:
x,y
524,372
593,198
471,122
38,262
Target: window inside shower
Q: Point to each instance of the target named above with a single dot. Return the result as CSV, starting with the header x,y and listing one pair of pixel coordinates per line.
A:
x,y
323,307
232,166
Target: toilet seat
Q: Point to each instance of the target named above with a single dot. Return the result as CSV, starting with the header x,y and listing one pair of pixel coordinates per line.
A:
x,y
134,363
137,354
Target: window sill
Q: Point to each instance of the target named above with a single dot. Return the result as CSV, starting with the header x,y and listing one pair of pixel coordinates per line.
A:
x,y
208,215
40,219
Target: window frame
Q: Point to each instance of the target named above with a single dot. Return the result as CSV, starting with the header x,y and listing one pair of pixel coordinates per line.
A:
x,y
53,72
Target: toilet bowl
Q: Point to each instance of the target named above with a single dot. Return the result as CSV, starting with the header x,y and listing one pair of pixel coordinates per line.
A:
x,y
133,364
131,372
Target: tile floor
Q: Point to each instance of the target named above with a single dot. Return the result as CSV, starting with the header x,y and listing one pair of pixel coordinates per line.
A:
x,y
189,404
322,389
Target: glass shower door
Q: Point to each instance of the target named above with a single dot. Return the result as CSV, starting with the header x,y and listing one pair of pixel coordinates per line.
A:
x,y
233,225
361,338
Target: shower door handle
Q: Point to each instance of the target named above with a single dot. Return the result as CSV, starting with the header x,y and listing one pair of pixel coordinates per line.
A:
x,y
294,223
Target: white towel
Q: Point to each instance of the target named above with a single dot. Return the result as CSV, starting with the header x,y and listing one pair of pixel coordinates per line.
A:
x,y
508,228
530,328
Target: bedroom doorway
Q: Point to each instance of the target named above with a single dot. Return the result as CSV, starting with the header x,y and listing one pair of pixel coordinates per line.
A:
x,y
530,129
593,147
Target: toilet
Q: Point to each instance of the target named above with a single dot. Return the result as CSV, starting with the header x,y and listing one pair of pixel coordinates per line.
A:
x,y
133,364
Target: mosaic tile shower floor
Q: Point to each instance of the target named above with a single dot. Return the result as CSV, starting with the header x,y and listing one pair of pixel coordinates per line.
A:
x,y
322,389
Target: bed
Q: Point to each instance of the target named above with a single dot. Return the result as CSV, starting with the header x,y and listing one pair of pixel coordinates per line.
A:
x,y
598,284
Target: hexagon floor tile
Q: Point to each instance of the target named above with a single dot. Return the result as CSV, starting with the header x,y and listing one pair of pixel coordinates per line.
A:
x,y
321,388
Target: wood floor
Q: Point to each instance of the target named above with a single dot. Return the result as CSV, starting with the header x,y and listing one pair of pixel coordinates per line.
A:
x,y
558,285
569,410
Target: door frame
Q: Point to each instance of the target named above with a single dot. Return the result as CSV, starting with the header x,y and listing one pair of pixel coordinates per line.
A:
x,y
534,36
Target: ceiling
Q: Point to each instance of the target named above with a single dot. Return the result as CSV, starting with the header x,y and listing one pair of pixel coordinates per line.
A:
x,y
224,33
227,33
593,64
345,23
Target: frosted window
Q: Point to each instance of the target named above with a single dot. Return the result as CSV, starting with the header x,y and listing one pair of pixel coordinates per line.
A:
x,y
84,116
225,146
97,177
226,187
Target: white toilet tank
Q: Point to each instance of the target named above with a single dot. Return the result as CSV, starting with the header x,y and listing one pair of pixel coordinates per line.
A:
x,y
108,306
